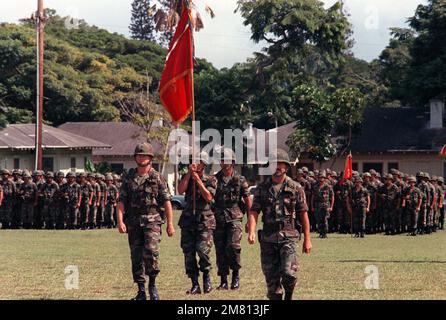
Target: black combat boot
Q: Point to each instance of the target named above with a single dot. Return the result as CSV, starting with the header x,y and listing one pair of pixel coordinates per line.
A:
x,y
362,234
288,295
207,285
235,283
195,286
223,283
153,291
141,295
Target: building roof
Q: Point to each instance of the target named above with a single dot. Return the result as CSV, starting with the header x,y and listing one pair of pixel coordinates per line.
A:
x,y
121,136
397,130
22,137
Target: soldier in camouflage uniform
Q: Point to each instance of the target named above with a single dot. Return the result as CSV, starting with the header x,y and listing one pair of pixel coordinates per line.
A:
x,y
359,206
197,223
101,208
322,202
232,188
438,201
142,195
72,200
431,204
284,213
441,203
342,191
111,197
93,210
59,201
411,202
39,180
28,197
389,194
400,214
87,200
372,189
9,191
16,210
48,191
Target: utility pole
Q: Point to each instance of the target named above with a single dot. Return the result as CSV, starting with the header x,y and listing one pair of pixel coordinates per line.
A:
x,y
40,25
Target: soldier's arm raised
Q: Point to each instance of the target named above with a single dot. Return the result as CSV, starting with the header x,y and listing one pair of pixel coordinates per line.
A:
x,y
183,184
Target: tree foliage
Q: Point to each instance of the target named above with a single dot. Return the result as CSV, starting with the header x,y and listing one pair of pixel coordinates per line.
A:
x,y
142,26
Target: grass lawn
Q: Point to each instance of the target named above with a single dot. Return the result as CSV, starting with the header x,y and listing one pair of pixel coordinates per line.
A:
x,y
32,266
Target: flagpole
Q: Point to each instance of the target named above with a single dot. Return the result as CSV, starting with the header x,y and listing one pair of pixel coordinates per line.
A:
x,y
194,160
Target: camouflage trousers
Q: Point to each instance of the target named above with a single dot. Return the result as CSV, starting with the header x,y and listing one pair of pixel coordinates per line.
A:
x,y
279,266
71,215
343,218
60,214
377,219
109,219
422,216
6,214
38,215
92,212
412,221
16,214
27,214
441,221
196,242
83,213
144,242
49,214
391,217
227,238
100,215
322,216
359,219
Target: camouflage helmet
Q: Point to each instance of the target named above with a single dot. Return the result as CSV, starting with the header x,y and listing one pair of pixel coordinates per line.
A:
x,y
311,174
367,175
373,172
359,179
419,174
60,174
434,178
98,176
412,179
204,157
108,177
91,174
334,174
49,174
227,155
322,174
394,171
5,172
116,177
82,175
440,180
300,172
427,175
71,175
280,156
144,149
388,176
305,169
26,174
16,171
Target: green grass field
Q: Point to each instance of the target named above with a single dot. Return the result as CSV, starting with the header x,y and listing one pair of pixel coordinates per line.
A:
x,y
32,265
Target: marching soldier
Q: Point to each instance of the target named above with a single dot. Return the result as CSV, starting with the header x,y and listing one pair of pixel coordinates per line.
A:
x,y
111,196
342,191
48,192
411,202
359,201
197,223
142,195
232,188
390,197
322,202
72,200
28,198
282,204
86,202
6,203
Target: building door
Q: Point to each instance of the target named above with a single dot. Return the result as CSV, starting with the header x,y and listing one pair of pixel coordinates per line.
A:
x,y
117,167
378,167
48,164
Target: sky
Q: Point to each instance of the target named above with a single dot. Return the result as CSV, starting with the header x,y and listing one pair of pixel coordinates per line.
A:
x,y
225,40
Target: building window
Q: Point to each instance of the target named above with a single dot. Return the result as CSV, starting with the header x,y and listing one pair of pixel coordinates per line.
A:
x,y
73,164
48,164
117,167
16,163
355,166
392,165
378,167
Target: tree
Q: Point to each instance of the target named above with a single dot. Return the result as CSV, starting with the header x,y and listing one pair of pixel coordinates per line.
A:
x,y
142,26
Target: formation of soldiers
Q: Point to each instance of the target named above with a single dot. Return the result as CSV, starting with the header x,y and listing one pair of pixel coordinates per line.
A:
x,y
369,203
44,200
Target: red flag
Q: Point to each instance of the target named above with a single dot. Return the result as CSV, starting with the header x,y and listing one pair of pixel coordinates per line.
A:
x,y
348,170
443,151
177,85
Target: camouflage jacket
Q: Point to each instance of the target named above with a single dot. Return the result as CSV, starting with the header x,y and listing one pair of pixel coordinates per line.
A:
x,y
359,197
48,190
389,195
425,195
71,193
28,192
204,217
103,187
412,197
86,191
144,195
322,196
281,210
111,192
9,190
228,195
